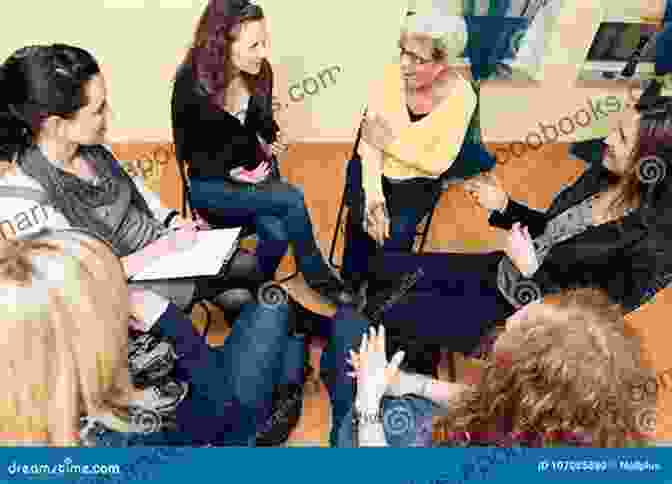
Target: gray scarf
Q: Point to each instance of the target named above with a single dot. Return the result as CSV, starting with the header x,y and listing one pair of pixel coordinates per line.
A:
x,y
76,199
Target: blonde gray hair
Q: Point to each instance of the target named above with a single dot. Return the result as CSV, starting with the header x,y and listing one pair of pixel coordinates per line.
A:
x,y
63,322
448,33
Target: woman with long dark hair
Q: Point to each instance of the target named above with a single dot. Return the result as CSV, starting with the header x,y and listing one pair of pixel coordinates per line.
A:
x,y
608,230
224,127
53,120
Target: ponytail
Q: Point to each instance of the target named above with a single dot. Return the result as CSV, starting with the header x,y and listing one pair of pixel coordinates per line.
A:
x,y
36,82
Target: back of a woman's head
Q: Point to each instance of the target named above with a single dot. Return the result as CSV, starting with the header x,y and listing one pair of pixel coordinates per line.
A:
x,y
563,374
63,312
37,82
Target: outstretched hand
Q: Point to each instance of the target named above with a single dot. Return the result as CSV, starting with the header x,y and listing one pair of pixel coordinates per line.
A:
x,y
373,372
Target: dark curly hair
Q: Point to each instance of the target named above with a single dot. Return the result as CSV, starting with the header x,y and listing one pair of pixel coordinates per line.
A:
x,y
210,52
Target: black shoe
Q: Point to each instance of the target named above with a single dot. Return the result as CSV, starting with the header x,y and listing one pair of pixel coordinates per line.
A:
x,y
338,293
163,397
287,406
149,359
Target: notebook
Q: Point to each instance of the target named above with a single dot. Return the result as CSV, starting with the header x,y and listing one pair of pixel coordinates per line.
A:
x,y
211,251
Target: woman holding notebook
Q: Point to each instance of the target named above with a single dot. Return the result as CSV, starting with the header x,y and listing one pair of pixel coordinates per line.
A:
x,y
53,119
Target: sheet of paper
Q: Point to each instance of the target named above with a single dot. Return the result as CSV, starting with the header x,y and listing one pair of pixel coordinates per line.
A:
x,y
205,258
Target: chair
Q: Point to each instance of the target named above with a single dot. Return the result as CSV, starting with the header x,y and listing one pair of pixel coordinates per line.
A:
x,y
470,150
246,232
422,233
485,347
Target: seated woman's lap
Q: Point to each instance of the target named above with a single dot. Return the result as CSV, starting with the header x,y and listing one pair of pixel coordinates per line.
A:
x,y
242,372
451,299
275,198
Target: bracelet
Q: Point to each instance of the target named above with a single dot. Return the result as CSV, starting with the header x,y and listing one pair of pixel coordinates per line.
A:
x,y
170,217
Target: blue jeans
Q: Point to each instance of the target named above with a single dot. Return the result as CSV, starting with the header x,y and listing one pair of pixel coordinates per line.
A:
x,y
279,214
231,387
404,219
407,422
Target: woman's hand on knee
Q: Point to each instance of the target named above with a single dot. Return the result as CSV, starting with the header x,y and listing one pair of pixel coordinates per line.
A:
x,y
377,221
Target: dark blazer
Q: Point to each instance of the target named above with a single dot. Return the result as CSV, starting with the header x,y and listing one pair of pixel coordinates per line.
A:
x,y
212,140
630,261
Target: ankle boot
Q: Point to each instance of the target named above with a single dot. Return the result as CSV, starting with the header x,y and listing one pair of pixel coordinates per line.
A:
x,y
338,292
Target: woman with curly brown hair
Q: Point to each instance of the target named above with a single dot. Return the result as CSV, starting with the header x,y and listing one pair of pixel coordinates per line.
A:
x,y
563,373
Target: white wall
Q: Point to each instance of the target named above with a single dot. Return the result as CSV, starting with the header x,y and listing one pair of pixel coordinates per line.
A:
x,y
140,42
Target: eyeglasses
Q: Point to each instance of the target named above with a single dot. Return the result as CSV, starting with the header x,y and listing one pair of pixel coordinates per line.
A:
x,y
414,58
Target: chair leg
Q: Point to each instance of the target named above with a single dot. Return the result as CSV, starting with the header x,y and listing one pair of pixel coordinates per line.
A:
x,y
339,219
428,223
452,370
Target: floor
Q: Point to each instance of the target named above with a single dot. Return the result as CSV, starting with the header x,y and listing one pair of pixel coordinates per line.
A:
x,y
459,225
315,423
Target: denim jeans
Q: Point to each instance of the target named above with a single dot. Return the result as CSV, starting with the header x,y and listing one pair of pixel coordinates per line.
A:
x,y
346,333
279,214
231,386
404,219
407,422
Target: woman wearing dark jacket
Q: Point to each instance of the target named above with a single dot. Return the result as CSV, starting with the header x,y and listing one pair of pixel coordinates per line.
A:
x,y
222,114
608,230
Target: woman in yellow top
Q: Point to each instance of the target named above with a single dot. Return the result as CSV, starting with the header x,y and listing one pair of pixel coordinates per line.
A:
x,y
418,128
